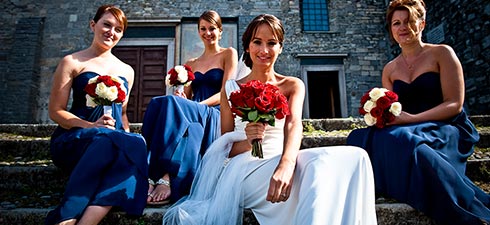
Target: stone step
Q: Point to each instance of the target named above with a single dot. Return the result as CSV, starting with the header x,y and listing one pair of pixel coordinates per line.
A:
x,y
45,130
43,180
14,147
29,179
387,214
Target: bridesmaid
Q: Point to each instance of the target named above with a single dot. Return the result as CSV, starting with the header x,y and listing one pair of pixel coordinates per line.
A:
x,y
421,158
178,128
107,164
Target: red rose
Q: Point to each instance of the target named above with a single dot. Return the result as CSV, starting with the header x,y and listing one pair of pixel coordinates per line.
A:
x,y
383,102
264,103
388,117
121,95
380,123
376,112
90,89
362,111
392,96
281,103
364,99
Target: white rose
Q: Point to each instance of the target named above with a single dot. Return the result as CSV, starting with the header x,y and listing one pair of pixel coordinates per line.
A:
x,y
376,93
121,82
167,80
369,105
181,74
117,79
396,108
93,80
370,120
109,93
90,101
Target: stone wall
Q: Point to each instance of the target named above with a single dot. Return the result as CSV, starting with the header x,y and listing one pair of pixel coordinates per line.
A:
x,y
357,30
466,26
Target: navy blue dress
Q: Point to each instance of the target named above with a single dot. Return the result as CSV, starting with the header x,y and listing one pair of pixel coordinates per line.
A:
x,y
424,164
178,131
107,167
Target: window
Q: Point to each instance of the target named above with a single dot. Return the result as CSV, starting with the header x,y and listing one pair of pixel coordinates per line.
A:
x,y
314,15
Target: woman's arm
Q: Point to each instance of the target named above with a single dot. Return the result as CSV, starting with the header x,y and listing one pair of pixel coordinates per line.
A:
x,y
281,180
60,93
130,78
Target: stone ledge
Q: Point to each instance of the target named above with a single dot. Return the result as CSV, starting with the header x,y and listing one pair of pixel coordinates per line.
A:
x,y
45,130
387,214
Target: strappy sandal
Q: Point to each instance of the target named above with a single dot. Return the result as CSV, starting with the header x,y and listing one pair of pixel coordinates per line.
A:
x,y
161,181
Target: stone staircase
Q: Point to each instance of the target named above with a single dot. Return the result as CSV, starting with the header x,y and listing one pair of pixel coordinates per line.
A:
x,y
31,185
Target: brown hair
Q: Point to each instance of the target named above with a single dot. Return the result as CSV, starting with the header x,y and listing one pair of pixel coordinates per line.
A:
x,y
116,12
416,11
211,17
273,22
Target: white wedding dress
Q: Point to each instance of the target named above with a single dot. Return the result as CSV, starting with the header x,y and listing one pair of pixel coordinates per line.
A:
x,y
331,186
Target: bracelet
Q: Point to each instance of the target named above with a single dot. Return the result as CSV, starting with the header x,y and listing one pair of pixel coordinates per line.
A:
x,y
162,181
151,182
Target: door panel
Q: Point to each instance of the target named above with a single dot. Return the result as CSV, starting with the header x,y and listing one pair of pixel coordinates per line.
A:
x,y
150,66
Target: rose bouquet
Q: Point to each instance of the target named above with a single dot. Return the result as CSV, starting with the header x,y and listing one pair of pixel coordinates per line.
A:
x,y
259,102
379,106
179,76
104,90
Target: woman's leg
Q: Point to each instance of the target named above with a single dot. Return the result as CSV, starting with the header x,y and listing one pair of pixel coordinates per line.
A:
x,y
94,214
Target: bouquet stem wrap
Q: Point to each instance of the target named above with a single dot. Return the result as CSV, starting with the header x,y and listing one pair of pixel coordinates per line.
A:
x,y
108,109
257,148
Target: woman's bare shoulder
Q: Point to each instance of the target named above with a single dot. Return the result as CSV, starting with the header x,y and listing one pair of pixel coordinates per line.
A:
x,y
290,83
191,62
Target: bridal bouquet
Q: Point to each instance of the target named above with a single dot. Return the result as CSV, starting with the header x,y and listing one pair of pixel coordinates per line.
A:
x,y
179,76
379,106
259,102
104,90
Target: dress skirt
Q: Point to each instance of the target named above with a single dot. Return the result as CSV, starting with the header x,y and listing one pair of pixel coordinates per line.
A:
x,y
178,132
107,168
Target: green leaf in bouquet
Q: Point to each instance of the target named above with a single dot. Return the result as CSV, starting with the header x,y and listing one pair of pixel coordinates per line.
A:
x,y
253,115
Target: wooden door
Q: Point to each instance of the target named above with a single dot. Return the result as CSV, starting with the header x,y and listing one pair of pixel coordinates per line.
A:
x,y
150,66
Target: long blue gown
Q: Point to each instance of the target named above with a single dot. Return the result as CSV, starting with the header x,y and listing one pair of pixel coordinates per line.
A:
x,y
107,167
178,131
424,164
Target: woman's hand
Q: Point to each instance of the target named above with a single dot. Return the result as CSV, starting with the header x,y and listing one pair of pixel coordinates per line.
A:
x,y
403,118
180,94
281,182
106,121
254,131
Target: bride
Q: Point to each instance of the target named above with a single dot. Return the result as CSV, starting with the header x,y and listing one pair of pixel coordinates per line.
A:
x,y
327,185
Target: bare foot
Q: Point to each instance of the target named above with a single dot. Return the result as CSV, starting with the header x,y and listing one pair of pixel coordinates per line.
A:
x,y
151,188
160,194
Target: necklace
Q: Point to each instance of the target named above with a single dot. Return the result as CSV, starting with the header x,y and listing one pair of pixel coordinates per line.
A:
x,y
417,52
409,66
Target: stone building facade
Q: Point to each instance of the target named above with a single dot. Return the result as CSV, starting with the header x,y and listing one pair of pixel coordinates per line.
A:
x,y
337,66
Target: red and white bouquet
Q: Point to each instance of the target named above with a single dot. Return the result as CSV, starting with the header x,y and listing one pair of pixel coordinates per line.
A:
x,y
104,90
179,76
259,102
379,106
